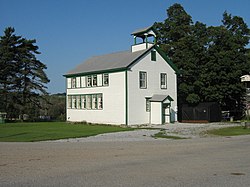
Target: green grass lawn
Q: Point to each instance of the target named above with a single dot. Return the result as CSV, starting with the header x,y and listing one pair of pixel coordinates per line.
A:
x,y
31,132
230,131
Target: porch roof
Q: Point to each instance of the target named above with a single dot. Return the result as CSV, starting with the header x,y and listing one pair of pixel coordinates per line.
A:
x,y
160,98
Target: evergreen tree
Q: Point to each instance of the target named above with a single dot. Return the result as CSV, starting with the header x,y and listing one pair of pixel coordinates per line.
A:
x,y
22,74
8,68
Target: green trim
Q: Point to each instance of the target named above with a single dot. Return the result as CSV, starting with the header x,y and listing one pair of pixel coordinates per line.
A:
x,y
163,55
126,97
96,72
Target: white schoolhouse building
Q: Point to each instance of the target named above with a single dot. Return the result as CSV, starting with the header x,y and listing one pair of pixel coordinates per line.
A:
x,y
132,87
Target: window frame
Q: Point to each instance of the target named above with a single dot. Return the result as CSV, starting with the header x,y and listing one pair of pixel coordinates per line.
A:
x,y
94,80
89,81
105,79
69,103
73,82
148,105
141,80
164,76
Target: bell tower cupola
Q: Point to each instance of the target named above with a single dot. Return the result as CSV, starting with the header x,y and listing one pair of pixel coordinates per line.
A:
x,y
143,39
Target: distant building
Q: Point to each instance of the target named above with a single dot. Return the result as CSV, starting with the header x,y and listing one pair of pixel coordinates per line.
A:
x,y
130,87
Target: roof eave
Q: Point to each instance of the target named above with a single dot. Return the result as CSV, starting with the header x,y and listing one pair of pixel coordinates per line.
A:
x,y
96,72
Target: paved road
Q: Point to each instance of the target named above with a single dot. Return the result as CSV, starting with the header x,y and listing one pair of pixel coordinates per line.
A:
x,y
193,162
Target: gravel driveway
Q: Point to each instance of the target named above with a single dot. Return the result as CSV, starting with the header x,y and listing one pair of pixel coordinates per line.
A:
x,y
186,130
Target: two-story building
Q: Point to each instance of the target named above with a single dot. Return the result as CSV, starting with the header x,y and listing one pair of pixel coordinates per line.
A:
x,y
132,87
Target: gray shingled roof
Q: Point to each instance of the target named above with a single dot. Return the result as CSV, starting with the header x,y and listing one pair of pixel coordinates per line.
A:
x,y
160,98
106,62
141,30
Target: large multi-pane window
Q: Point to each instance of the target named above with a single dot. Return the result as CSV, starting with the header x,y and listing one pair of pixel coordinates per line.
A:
x,y
86,101
163,81
143,79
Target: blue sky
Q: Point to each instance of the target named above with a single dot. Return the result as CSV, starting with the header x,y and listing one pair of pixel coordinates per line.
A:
x,y
70,31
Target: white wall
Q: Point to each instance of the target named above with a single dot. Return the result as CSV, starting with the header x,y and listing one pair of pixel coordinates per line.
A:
x,y
137,101
113,111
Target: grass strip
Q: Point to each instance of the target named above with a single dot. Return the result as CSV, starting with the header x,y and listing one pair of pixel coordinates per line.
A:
x,y
32,132
162,134
230,131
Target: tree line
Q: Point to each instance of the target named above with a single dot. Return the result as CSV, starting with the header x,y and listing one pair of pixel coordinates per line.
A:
x,y
211,58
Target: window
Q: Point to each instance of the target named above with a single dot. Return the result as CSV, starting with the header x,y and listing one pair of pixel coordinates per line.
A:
x,y
78,82
78,101
83,82
73,101
83,104
105,79
94,101
163,81
94,79
89,81
99,101
73,83
153,55
69,101
88,100
147,105
143,79
69,82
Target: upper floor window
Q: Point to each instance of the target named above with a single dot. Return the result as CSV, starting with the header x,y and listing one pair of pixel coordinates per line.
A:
x,y
105,79
153,55
143,79
89,81
163,81
94,80
73,82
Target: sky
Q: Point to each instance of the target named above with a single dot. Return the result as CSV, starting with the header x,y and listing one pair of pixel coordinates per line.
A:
x,y
68,32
